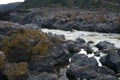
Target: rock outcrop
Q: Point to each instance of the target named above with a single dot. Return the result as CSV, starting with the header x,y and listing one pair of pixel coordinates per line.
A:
x,y
29,54
107,22
24,50
112,60
84,68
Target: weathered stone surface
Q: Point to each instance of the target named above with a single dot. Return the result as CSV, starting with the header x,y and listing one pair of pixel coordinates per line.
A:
x,y
112,60
5,27
2,60
69,20
16,71
20,45
80,40
84,68
45,76
104,45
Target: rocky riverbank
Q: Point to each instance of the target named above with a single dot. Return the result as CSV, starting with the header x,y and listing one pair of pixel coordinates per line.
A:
x,y
70,19
66,19
27,53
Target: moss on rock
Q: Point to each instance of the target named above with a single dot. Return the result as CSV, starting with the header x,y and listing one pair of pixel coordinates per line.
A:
x,y
18,45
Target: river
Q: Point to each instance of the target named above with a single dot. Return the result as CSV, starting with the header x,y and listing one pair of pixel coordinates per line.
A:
x,y
87,36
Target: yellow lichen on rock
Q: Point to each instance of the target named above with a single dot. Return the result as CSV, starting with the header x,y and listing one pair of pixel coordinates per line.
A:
x,y
19,44
41,47
12,71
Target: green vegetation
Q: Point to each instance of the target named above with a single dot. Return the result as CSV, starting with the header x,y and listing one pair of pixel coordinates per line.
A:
x,y
9,6
67,3
39,3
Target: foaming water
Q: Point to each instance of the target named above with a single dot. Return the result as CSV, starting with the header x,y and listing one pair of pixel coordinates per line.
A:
x,y
90,55
88,36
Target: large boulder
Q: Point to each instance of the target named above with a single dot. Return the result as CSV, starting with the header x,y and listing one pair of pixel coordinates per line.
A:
x,y
104,45
29,51
80,40
16,71
112,60
45,22
72,46
77,57
107,28
5,27
41,52
56,54
84,68
59,53
21,45
42,65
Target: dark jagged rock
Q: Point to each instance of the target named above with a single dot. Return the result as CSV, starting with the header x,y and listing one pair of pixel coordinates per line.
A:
x,y
104,45
76,57
104,27
75,46
88,48
59,53
5,27
112,60
94,21
105,78
16,71
3,76
23,46
79,41
31,26
72,47
50,35
84,68
97,53
90,42
43,64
